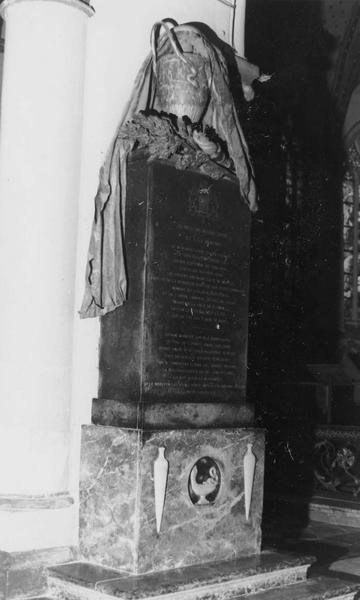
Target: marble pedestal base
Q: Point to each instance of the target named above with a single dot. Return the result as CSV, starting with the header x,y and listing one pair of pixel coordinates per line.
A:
x,y
117,512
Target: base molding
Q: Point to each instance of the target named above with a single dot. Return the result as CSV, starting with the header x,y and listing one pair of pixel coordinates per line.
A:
x,y
171,415
336,514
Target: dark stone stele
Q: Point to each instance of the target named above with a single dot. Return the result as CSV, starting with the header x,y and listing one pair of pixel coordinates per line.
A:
x,y
180,340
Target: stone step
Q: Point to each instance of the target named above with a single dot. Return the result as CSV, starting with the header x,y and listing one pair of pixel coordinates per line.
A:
x,y
319,588
230,579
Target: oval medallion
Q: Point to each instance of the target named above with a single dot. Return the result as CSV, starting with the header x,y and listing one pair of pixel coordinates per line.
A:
x,y
204,481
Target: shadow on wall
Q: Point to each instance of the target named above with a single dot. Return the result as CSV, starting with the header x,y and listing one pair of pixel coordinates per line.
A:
x,y
294,133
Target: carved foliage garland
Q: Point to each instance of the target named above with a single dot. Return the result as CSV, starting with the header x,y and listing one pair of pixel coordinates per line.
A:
x,y
164,137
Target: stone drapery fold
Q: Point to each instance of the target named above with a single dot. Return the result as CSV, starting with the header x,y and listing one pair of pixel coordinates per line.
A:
x,y
106,277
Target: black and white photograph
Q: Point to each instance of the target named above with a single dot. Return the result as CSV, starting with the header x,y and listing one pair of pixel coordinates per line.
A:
x,y
179,299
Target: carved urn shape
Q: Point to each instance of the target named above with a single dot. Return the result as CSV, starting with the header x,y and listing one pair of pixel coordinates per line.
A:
x,y
161,469
249,472
182,79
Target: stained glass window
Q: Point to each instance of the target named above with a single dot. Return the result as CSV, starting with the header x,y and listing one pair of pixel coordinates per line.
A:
x,y
351,229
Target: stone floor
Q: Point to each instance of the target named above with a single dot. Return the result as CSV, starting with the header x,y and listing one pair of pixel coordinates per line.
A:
x,y
336,548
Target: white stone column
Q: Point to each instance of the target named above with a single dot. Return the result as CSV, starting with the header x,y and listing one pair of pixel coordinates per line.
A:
x,y
40,155
239,27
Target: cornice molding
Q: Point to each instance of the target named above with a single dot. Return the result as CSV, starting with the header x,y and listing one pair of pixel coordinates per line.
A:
x,y
79,4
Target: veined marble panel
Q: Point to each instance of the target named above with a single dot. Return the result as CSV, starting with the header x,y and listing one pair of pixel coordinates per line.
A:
x,y
117,515
108,495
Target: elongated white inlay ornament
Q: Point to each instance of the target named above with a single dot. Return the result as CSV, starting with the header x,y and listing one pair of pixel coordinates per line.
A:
x,y
249,472
161,469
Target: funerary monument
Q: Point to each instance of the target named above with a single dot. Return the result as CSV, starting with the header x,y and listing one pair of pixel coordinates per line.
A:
x,y
172,467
